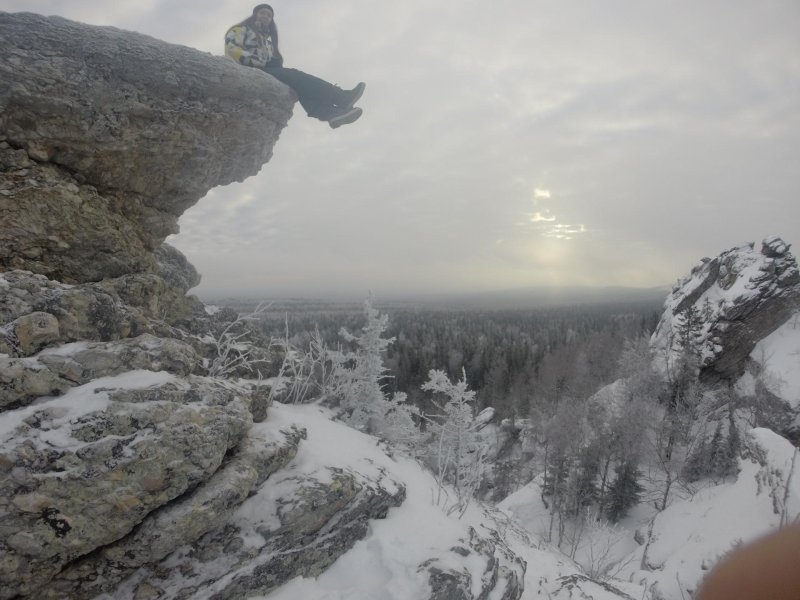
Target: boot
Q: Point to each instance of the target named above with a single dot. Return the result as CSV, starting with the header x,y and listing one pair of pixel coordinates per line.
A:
x,y
345,118
350,97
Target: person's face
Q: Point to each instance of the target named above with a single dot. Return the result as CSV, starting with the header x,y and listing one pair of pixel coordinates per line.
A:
x,y
263,16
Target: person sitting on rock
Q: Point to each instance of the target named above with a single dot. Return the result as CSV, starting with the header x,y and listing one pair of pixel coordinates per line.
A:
x,y
254,43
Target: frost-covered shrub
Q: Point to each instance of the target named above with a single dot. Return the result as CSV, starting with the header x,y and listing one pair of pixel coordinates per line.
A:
x,y
459,453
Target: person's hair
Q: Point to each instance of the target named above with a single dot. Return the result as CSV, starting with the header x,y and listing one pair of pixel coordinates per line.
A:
x,y
272,29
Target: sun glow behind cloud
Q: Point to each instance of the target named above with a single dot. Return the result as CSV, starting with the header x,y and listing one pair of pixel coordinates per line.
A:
x,y
564,232
545,224
538,216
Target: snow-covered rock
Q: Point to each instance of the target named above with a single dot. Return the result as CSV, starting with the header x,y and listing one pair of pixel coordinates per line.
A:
x,y
207,508
742,296
54,370
82,470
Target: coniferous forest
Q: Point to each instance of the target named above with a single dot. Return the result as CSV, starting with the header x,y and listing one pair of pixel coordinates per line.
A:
x,y
515,359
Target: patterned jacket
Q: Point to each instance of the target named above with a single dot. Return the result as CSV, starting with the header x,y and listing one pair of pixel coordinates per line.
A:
x,y
251,48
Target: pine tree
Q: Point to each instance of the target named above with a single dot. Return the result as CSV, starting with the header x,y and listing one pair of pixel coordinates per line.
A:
x,y
698,463
734,447
725,459
584,487
625,492
716,452
556,474
364,403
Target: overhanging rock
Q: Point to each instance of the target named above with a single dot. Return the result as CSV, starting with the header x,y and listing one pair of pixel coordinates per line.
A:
x,y
108,136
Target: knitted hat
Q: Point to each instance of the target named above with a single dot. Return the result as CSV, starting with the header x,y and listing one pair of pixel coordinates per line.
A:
x,y
260,6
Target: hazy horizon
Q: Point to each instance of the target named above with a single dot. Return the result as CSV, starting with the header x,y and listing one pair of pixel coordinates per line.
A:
x,y
527,297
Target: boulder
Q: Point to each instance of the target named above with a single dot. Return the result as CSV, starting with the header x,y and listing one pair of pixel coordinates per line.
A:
x,y
296,525
503,577
173,267
82,470
53,371
87,312
741,296
183,521
34,331
23,380
47,312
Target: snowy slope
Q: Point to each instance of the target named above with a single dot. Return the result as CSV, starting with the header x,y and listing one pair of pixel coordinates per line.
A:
x,y
778,354
386,564
691,535
694,532
680,544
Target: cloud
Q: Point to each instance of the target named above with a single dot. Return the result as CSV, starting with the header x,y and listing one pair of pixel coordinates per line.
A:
x,y
640,120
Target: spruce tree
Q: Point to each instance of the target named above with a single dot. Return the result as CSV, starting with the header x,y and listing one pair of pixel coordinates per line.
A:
x,y
716,452
584,489
697,464
625,492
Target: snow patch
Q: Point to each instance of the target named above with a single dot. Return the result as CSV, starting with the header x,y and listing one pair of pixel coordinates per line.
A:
x,y
76,403
779,356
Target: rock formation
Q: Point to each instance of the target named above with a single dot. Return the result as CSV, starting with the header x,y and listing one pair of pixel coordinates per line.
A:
x,y
741,296
119,130
126,460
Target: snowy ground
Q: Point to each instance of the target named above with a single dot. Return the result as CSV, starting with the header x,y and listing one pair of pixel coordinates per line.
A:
x,y
702,525
684,541
779,355
386,563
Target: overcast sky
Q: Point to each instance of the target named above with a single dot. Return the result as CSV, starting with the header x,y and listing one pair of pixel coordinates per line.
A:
x,y
504,144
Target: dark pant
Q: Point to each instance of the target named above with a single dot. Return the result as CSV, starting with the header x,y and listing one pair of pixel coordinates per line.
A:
x,y
316,96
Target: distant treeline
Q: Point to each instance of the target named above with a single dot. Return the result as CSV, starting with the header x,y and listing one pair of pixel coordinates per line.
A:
x,y
514,359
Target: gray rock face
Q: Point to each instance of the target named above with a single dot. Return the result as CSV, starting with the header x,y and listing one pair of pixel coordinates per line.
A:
x,y
182,522
36,312
55,371
742,296
121,130
174,269
313,521
84,471
88,312
44,213
503,577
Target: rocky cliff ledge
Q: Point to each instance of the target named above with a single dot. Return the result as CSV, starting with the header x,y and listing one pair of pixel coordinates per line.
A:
x,y
121,131
126,458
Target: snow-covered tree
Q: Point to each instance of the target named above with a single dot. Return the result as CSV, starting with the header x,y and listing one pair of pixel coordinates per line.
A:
x,y
459,453
233,351
360,375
